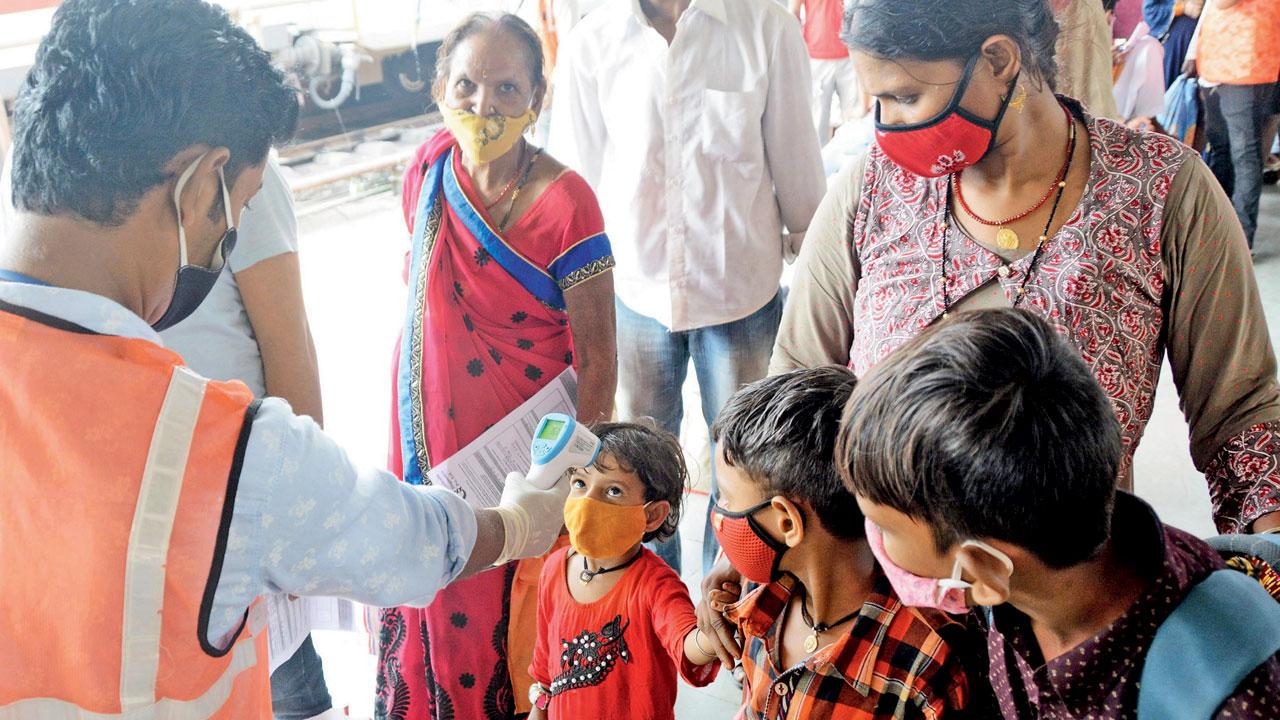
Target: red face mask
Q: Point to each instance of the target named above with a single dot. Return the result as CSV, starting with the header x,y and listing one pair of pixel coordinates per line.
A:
x,y
948,142
749,548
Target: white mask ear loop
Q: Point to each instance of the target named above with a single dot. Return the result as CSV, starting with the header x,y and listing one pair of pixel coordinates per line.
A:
x,y
992,551
219,260
954,582
177,194
946,585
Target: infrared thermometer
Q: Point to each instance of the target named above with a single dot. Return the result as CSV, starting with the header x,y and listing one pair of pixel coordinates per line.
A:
x,y
560,443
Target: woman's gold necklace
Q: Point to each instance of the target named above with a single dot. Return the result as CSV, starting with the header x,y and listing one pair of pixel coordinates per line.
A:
x,y
1006,238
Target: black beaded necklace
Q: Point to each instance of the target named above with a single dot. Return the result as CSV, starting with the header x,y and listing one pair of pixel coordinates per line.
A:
x,y
587,575
811,642
1005,267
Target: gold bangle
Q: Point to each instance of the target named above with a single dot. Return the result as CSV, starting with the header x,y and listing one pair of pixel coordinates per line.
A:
x,y
696,633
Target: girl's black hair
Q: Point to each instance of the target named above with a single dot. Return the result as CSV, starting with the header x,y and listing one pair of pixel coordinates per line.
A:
x,y
655,457
934,30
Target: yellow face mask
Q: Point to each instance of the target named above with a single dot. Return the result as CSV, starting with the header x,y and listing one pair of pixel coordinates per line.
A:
x,y
603,530
485,138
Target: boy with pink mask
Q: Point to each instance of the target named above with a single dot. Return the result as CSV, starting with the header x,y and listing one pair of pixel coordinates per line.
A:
x,y
984,455
615,623
825,635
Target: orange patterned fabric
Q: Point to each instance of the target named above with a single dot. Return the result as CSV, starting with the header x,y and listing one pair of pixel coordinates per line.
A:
x,y
1240,45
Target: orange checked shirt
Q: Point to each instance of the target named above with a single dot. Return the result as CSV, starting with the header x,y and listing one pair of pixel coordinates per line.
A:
x,y
894,662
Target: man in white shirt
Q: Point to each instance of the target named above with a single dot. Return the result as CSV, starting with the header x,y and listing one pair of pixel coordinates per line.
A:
x,y
691,121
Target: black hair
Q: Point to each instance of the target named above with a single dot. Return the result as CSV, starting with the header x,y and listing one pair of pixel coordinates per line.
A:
x,y
119,87
781,431
479,22
655,457
1109,5
988,426
932,30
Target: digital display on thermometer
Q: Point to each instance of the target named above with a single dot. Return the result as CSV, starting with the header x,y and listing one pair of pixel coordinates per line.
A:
x,y
551,429
559,444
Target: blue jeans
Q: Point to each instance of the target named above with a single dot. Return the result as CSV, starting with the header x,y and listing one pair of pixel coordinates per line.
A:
x,y
653,363
1234,119
298,690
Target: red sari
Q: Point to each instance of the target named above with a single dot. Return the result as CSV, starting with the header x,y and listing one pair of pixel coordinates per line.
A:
x,y
485,330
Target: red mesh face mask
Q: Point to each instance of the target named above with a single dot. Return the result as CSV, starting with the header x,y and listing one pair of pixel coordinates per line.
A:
x,y
749,548
949,142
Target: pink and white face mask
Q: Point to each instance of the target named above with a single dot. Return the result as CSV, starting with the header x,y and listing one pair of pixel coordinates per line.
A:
x,y
945,594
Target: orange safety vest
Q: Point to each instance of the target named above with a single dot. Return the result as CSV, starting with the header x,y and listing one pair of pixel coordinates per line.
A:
x,y
118,470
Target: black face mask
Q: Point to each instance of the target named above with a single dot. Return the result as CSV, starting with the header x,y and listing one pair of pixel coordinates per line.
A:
x,y
194,283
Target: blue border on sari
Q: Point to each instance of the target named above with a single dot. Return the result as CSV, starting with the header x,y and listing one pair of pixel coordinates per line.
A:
x,y
533,278
404,401
590,250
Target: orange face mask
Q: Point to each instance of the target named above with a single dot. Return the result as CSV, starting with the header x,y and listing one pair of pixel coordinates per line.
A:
x,y
603,530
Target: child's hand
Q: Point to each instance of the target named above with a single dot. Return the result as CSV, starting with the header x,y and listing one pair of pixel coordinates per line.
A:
x,y
720,589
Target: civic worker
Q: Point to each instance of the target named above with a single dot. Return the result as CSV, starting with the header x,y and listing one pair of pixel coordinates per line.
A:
x,y
143,508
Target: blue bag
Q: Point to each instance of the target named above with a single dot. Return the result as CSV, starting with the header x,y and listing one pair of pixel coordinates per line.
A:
x,y
1181,108
1226,627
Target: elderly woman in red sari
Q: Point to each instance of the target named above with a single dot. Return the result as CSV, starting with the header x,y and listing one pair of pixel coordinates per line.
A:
x,y
509,285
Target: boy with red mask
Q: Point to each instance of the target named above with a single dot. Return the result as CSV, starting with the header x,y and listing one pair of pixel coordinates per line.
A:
x,y
615,622
825,636
984,455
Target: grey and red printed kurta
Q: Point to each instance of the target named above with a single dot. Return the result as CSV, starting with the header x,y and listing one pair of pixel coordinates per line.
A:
x,y
1151,262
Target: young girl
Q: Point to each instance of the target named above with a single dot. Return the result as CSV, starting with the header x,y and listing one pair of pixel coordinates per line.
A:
x,y
615,623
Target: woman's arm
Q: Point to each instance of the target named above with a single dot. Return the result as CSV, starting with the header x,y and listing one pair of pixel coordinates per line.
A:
x,y
591,320
817,322
1220,352
272,294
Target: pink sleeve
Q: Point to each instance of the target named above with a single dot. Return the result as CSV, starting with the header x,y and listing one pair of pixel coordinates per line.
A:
x,y
673,619
586,218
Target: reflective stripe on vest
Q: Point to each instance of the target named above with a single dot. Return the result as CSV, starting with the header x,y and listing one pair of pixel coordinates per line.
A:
x,y
243,657
149,537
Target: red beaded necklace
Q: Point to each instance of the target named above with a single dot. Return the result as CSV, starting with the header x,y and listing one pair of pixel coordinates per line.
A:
x,y
1006,238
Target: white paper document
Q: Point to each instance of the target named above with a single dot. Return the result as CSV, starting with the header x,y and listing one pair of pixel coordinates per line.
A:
x,y
291,619
477,471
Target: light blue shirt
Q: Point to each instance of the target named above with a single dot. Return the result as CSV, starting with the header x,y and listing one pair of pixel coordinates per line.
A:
x,y
306,520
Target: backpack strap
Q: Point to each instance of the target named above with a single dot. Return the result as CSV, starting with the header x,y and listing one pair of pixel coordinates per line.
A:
x,y
1264,547
1224,628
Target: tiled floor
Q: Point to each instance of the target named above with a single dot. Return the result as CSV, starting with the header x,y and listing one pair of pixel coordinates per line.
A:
x,y
353,257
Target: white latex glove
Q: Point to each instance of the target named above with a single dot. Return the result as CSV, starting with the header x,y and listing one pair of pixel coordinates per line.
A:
x,y
531,517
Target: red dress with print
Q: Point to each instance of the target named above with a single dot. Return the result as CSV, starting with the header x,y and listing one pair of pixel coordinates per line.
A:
x,y
618,657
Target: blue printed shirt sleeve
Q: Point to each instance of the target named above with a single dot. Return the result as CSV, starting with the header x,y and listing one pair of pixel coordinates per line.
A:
x,y
309,521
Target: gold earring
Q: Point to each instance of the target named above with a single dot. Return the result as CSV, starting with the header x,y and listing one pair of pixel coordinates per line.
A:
x,y
1019,102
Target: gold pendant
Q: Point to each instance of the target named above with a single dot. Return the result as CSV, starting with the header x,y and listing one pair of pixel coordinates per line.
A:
x,y
1007,239
811,643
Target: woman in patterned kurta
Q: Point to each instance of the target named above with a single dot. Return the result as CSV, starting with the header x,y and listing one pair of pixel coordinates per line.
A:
x,y
509,285
1143,258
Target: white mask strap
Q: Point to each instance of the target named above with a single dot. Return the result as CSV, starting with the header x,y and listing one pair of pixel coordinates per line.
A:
x,y
218,259
992,551
956,583
177,194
